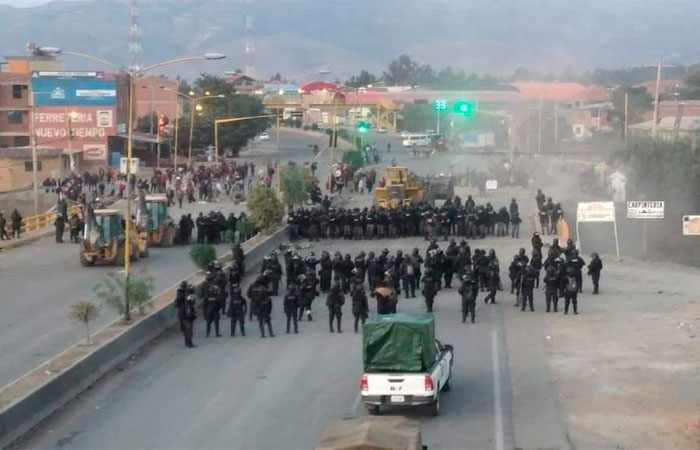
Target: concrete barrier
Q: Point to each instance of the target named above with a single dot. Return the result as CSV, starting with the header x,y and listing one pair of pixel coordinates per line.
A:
x,y
35,396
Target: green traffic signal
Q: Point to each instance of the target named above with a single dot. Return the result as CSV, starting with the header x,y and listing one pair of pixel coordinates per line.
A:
x,y
363,127
464,108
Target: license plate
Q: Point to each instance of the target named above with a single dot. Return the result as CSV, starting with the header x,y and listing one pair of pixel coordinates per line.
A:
x,y
397,399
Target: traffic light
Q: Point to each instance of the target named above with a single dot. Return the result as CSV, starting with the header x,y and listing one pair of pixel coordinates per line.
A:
x,y
464,108
440,105
363,127
162,123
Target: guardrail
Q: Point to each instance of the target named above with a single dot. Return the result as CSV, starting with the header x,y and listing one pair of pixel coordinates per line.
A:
x,y
41,220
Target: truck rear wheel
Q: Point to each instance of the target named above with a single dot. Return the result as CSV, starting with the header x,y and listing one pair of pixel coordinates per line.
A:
x,y
373,410
448,385
435,406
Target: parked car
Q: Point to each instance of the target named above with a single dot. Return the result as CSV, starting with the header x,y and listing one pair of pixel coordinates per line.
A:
x,y
381,130
264,137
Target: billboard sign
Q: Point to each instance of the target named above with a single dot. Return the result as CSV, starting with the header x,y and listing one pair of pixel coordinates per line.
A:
x,y
74,91
691,225
596,212
134,165
645,210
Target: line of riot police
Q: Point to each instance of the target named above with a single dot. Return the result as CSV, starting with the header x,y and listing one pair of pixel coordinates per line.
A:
x,y
453,218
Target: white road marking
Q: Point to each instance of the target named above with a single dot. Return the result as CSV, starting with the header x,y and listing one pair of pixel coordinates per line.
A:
x,y
498,407
356,403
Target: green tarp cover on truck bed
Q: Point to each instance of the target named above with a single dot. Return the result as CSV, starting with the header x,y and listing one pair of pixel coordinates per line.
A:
x,y
398,343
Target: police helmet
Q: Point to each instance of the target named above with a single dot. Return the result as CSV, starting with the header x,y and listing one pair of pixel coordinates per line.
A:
x,y
209,276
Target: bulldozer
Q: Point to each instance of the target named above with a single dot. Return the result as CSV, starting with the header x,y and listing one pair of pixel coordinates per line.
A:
x,y
154,223
401,188
439,187
104,239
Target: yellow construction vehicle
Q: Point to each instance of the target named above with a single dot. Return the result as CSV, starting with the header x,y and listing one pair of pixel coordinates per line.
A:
x,y
104,241
153,221
401,188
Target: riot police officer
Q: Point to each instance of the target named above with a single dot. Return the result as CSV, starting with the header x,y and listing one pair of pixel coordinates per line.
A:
x,y
468,291
237,308
335,302
188,317
360,308
256,292
429,288
263,312
211,309
292,301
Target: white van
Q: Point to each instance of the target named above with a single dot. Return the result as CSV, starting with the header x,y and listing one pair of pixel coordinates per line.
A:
x,y
416,140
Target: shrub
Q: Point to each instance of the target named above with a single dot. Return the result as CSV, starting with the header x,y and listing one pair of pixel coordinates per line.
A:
x,y
355,157
306,127
295,182
84,312
114,290
202,255
314,126
266,210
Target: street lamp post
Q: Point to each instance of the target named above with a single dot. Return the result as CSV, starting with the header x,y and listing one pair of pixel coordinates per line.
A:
x,y
131,73
193,103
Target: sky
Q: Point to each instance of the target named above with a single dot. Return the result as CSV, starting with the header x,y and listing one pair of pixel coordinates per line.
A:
x,y
25,3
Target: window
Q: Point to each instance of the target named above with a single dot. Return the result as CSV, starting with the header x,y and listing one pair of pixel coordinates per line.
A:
x,y
15,117
28,166
16,91
595,112
21,141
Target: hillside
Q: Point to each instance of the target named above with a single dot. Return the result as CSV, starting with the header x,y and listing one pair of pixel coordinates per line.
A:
x,y
300,36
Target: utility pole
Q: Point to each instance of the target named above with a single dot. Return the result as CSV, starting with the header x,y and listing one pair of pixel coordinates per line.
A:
x,y
556,122
177,128
527,129
656,98
624,130
539,128
157,142
35,163
189,155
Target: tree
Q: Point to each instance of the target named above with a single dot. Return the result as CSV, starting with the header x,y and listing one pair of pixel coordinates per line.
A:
x,y
295,183
418,117
667,170
84,312
638,101
202,255
365,78
354,157
232,136
266,210
401,71
112,291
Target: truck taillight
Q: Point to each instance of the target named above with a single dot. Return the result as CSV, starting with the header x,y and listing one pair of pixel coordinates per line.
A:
x,y
428,383
363,383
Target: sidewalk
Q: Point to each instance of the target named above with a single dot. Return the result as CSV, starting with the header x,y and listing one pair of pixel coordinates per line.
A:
x,y
27,238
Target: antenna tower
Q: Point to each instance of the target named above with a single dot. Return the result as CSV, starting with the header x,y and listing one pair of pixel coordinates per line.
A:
x,y
249,43
135,54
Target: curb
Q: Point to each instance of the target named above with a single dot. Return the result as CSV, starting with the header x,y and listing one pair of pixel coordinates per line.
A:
x,y
33,397
28,240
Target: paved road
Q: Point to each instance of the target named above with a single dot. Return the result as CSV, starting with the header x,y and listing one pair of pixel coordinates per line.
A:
x,y
280,393
40,281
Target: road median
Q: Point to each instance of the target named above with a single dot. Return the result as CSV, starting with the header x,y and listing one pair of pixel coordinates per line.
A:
x,y
36,395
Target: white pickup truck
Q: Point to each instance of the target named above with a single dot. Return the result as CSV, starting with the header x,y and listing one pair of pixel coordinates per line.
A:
x,y
412,388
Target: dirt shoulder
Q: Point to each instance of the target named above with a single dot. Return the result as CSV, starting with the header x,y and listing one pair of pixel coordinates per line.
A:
x,y
626,368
